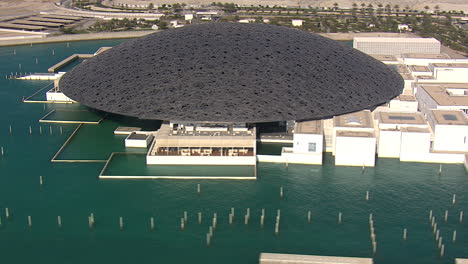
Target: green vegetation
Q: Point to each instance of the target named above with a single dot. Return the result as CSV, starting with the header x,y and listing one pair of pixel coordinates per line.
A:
x,y
127,24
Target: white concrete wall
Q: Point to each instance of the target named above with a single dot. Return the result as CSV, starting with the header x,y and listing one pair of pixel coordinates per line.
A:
x,y
450,138
301,143
303,158
425,102
201,160
389,144
52,96
355,151
426,62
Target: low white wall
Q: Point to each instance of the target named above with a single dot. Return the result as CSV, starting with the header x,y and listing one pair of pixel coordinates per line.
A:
x,y
303,158
201,160
271,158
138,143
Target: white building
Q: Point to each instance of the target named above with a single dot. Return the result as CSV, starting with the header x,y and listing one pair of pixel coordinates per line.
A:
x,y
188,17
396,46
390,134
405,103
450,72
297,22
450,130
135,140
442,96
354,141
190,143
307,144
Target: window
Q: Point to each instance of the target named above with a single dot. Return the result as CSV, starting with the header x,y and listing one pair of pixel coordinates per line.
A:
x,y
312,147
450,117
402,117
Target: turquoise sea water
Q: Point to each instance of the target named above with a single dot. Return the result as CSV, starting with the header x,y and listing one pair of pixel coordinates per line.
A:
x,y
401,195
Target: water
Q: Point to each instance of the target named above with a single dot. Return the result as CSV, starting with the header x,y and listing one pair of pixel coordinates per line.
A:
x,y
401,195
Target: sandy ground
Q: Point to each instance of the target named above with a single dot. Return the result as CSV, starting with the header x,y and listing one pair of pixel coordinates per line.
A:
x,y
10,8
412,4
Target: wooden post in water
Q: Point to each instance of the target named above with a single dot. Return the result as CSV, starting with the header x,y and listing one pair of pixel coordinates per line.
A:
x,y
185,217
3,152
440,169
262,220
230,218
405,233
214,221
446,215
430,215
432,221
40,180
10,130
309,217
277,228
29,221
442,249
208,240
461,217
61,130
50,129
40,130
7,213
152,223
232,212
454,236
454,199
340,215
198,188
281,192
435,228
437,235
59,222
182,224
30,130
440,242
246,219
199,217
367,195
374,247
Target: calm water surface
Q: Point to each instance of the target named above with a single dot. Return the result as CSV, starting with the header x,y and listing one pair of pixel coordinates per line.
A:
x,y
401,195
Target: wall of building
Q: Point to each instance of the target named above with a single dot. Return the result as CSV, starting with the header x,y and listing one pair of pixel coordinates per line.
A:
x,y
355,151
451,75
201,160
389,144
395,47
301,143
414,146
404,106
138,143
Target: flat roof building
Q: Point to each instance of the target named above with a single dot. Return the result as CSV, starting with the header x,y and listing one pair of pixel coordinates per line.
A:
x,y
443,96
396,46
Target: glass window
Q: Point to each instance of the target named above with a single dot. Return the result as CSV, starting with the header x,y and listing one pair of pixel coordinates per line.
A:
x,y
312,147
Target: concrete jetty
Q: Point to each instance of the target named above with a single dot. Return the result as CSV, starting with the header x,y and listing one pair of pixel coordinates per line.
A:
x,y
68,60
275,258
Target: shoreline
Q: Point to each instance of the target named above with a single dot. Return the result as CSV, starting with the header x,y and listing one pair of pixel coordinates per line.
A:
x,y
76,37
134,34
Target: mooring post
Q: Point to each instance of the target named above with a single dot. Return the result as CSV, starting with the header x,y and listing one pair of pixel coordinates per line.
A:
x,y
246,219
230,218
3,152
199,217
7,213
367,195
208,240
437,235
29,221
61,130
30,130
152,223
440,242
232,211
435,228
185,217
121,223
198,188
454,199
432,221
461,217
182,223
281,192
40,180
440,169
40,130
59,222
374,247
340,215
50,129
309,217
442,249
405,233
262,220
454,236
277,228
430,215
446,215
10,130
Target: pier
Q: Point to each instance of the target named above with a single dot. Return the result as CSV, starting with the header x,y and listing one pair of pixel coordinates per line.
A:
x,y
68,60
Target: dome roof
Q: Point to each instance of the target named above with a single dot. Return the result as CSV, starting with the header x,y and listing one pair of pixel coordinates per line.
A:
x,y
231,72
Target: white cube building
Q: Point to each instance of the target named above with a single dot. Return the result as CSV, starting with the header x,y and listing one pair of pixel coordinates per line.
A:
x,y
442,96
354,141
450,130
307,144
396,46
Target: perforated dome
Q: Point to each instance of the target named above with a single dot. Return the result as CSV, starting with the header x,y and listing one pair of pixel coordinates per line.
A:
x,y
231,72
